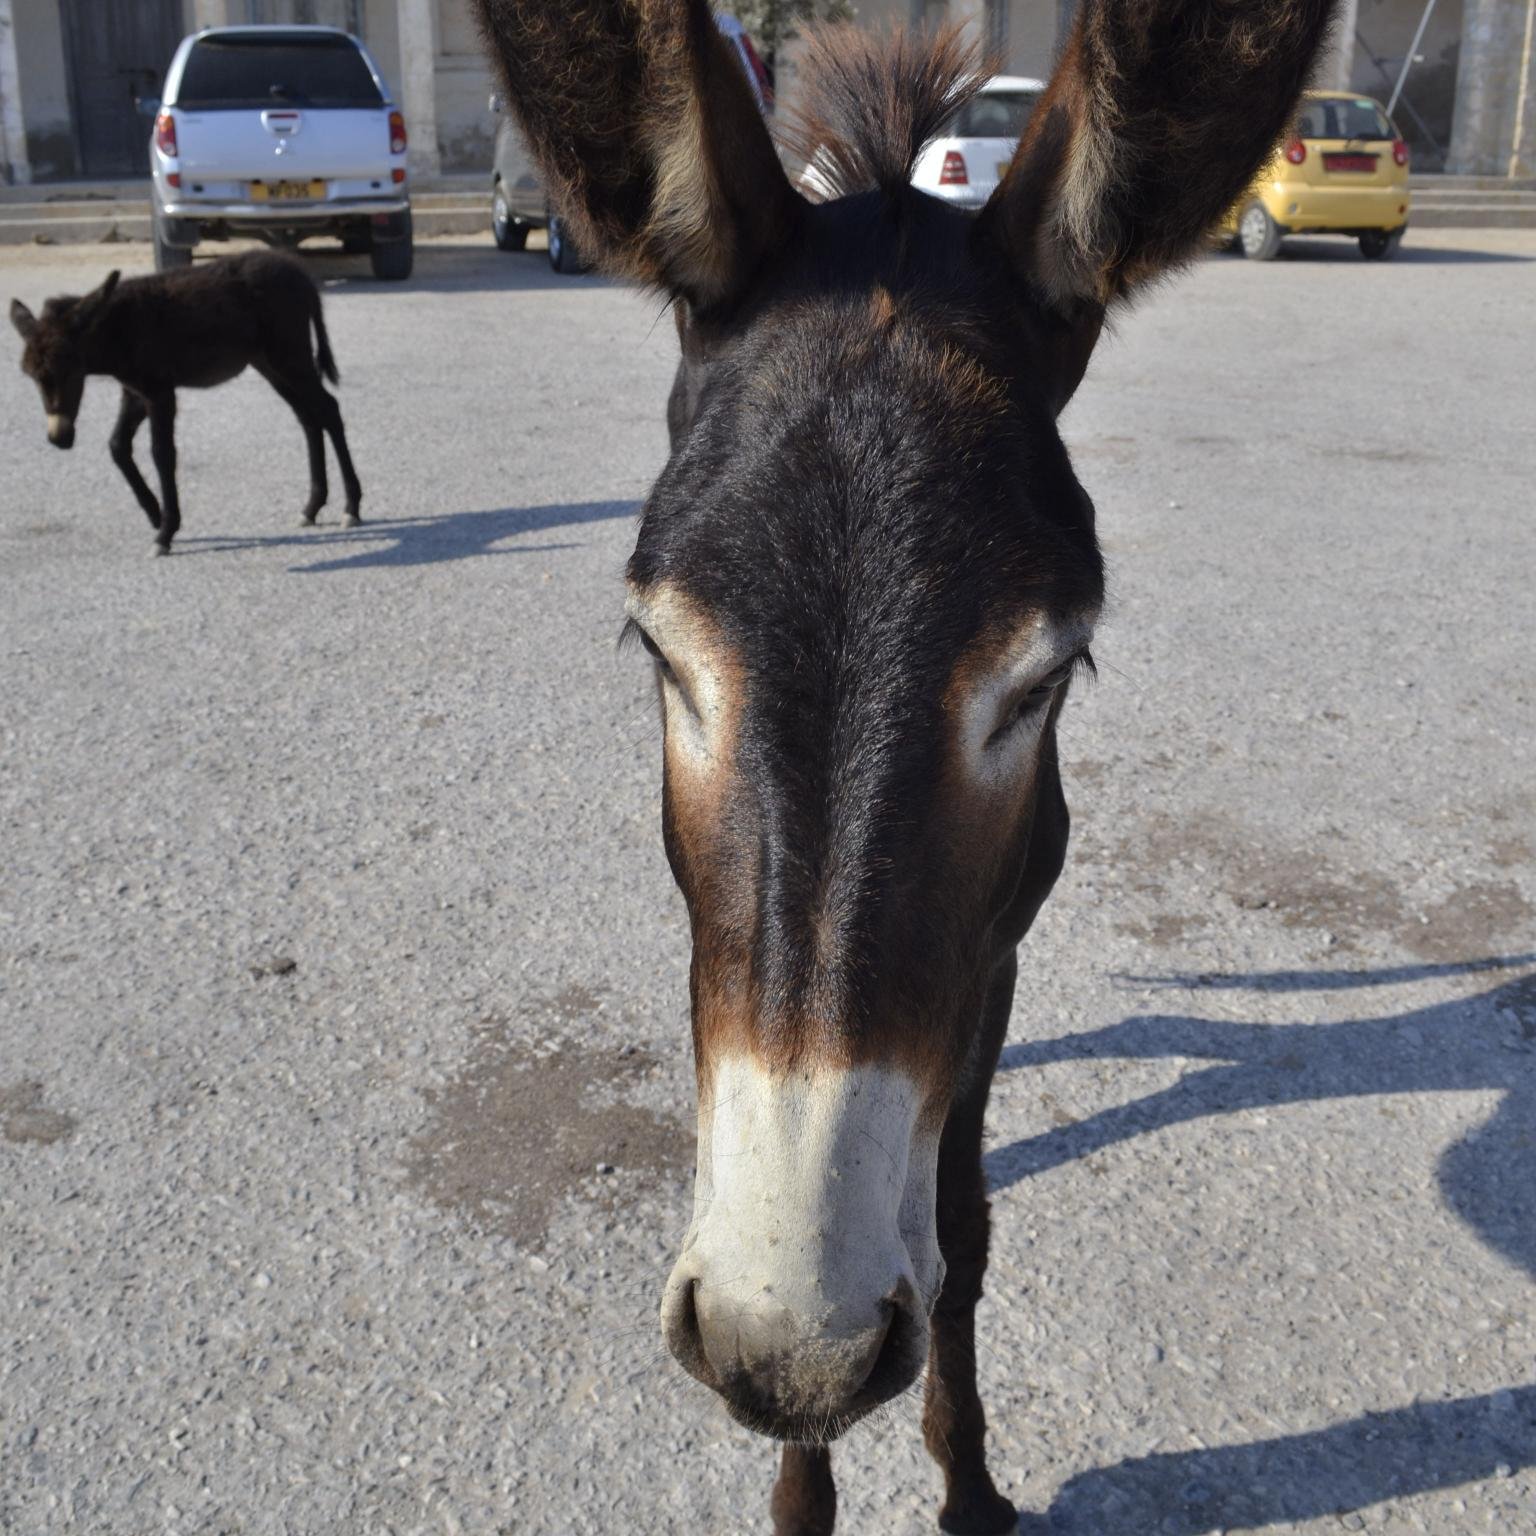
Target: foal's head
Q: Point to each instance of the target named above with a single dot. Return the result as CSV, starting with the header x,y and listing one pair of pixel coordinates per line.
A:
x,y
866,578
54,357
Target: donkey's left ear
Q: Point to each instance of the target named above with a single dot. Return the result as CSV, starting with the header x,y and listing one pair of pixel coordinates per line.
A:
x,y
88,311
648,135
1159,115
23,319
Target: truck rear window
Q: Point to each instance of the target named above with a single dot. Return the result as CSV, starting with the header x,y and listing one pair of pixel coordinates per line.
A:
x,y
257,71
1336,118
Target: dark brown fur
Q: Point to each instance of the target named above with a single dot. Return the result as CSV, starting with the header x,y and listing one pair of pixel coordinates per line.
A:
x,y
869,104
866,491
189,329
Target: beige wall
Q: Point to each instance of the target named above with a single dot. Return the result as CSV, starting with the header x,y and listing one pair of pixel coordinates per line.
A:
x,y
39,42
465,128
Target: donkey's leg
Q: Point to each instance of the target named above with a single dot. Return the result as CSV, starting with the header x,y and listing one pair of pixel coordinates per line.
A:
x,y
954,1424
130,417
162,444
332,421
317,409
804,1500
299,400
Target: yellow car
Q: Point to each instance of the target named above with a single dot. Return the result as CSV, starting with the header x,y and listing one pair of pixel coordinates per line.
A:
x,y
1344,172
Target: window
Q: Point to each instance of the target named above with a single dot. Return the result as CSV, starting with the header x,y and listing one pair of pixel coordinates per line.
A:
x,y
285,69
1355,117
994,115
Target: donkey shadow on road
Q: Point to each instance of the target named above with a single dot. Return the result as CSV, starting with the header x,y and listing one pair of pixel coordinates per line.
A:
x,y
421,540
1488,1179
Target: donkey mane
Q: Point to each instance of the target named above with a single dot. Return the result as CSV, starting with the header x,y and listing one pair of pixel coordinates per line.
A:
x,y
872,102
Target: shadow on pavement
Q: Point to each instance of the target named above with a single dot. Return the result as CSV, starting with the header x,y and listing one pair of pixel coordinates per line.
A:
x,y
419,540
1308,1476
471,266
1488,1179
1299,248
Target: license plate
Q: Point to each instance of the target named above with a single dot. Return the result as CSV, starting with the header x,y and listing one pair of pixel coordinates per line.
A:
x,y
1337,162
1002,169
287,191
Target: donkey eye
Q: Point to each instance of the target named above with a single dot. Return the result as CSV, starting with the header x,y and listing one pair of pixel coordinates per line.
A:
x,y
656,654
1032,702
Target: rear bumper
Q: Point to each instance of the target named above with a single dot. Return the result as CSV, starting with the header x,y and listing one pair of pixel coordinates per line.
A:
x,y
1336,210
283,215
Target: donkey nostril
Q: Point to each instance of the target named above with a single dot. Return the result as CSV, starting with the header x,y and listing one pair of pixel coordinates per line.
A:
x,y
685,1335
895,1362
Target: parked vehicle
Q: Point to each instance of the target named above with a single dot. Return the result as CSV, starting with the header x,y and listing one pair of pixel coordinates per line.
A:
x,y
518,200
279,133
965,162
1344,171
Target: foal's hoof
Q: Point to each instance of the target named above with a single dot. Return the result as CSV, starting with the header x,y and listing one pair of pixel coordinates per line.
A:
x,y
307,519
352,520
159,549
984,1512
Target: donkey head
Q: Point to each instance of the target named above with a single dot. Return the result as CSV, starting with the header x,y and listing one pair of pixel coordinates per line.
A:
x,y
865,577
55,353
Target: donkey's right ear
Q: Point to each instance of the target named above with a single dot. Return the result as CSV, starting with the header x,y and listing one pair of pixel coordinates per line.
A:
x,y
23,319
1158,116
649,138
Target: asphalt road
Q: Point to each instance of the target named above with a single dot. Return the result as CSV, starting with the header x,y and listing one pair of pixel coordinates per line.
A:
x,y
338,952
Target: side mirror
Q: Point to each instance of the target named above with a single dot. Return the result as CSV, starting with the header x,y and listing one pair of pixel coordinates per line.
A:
x,y
495,102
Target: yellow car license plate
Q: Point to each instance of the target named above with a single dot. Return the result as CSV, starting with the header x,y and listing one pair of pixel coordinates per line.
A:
x,y
287,191
1002,169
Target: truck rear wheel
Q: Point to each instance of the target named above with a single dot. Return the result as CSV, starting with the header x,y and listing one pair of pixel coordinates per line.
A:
x,y
392,260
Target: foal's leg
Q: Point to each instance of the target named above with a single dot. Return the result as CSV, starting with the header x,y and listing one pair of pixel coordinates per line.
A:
x,y
314,438
804,1500
954,1424
318,413
332,422
130,416
162,445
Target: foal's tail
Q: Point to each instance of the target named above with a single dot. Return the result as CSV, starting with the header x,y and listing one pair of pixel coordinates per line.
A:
x,y
323,354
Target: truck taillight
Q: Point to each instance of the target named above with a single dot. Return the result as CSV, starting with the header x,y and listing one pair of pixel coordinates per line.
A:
x,y
1296,152
165,135
1399,152
953,172
397,133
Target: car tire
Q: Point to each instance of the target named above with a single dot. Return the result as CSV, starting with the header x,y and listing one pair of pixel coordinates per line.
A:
x,y
508,234
168,257
1258,234
392,260
1380,244
563,255
357,243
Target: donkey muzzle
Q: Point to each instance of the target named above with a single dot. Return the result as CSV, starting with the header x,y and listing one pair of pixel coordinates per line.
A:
x,y
803,1289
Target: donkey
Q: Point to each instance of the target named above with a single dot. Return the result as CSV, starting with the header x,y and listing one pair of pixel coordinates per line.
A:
x,y
193,328
866,577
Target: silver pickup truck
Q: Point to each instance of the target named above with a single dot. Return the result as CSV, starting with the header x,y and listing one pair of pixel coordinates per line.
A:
x,y
279,133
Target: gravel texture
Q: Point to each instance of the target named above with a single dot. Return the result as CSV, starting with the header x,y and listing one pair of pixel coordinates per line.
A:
x,y
344,1077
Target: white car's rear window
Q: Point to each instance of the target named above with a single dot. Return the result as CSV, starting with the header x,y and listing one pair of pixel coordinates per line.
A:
x,y
994,115
277,70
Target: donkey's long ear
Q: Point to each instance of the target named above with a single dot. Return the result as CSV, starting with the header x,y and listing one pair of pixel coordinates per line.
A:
x,y
23,319
89,310
1159,114
648,136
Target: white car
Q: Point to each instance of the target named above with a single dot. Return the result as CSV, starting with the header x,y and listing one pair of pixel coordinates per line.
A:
x,y
964,164
279,133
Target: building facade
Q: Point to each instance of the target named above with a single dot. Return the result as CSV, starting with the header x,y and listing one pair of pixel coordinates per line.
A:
x,y
73,73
